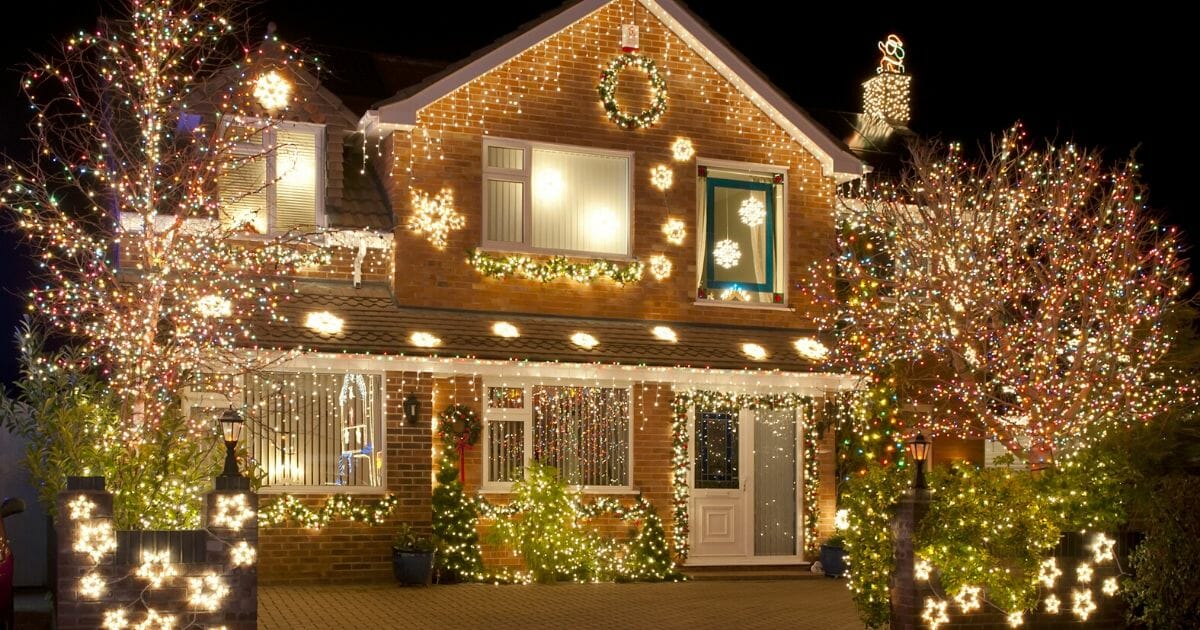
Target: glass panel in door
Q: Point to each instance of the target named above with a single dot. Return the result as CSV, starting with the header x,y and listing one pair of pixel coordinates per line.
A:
x,y
775,482
717,451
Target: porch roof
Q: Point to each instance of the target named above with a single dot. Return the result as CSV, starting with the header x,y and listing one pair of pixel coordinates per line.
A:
x,y
374,323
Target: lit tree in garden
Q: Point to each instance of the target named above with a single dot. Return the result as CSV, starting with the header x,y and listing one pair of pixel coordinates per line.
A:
x,y
122,201
1021,296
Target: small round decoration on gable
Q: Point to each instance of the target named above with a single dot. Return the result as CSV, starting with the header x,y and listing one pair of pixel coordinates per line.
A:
x,y
608,92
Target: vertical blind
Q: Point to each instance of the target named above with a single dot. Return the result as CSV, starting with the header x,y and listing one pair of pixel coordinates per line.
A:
x,y
315,429
296,178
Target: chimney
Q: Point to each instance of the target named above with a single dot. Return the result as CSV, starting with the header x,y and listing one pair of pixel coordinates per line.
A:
x,y
886,95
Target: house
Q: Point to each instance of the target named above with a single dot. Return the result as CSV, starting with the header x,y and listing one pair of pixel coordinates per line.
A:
x,y
591,234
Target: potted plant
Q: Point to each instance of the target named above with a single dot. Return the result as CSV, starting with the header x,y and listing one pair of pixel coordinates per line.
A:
x,y
833,556
412,557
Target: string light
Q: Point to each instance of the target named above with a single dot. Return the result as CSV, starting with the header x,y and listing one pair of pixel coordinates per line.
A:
x,y
675,230
506,330
584,340
324,323
660,267
435,217
272,91
662,177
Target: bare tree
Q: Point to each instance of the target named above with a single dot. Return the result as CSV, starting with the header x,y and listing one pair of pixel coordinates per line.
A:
x,y
1020,296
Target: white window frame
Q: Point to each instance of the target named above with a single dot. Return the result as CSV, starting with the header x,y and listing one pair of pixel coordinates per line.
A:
x,y
783,256
269,152
525,177
213,399
525,414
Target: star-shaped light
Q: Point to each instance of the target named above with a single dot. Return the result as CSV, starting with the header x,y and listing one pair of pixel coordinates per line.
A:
x,y
934,613
1102,548
1082,604
968,598
1048,572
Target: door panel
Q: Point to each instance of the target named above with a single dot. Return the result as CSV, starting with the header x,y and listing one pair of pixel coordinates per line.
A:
x,y
775,482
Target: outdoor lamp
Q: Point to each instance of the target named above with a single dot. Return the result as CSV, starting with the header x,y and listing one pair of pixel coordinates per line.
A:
x,y
919,448
412,409
231,430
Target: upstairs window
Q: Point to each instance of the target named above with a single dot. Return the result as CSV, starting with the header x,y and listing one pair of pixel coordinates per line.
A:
x,y
274,180
556,199
741,246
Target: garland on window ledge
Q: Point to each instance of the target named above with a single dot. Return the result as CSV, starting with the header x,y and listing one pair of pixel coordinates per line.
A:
x,y
339,507
731,403
554,268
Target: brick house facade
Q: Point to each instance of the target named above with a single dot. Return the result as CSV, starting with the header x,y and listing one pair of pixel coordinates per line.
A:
x,y
417,320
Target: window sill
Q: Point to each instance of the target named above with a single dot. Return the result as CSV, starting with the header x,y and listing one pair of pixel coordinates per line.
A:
x,y
763,307
324,490
587,490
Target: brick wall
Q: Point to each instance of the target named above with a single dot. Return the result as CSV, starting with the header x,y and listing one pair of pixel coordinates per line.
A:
x,y
548,93
347,551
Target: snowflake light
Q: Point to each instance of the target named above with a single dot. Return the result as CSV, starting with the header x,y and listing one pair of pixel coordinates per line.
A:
x,y
682,150
435,217
1082,604
424,340
272,91
1083,573
968,598
81,508
1016,618
752,212
934,613
213,306
206,592
841,519
662,177
232,511
1052,604
1048,572
155,621
660,267
324,322
726,253
156,568
92,586
115,619
811,349
1110,586
675,230
95,540
1102,548
922,569
242,554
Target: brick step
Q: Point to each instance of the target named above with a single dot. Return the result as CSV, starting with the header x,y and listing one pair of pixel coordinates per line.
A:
x,y
761,572
33,610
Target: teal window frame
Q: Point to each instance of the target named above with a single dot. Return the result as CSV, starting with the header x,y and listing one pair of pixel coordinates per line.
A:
x,y
710,185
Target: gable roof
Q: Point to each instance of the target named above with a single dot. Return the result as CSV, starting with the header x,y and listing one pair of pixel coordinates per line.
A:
x,y
835,158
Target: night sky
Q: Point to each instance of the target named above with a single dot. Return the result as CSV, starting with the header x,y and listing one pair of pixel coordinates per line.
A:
x,y
1117,82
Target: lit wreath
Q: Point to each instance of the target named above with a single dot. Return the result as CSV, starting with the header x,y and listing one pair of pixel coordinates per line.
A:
x,y
608,92
459,426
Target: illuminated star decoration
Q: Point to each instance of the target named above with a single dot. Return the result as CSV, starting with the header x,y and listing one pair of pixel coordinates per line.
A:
x,y
662,177
1083,573
660,267
81,508
922,569
675,230
272,91
1048,572
232,511
242,554
934,613
435,217
1110,586
968,598
1052,604
1082,604
1016,618
95,540
1102,548
207,592
115,619
752,212
726,253
92,586
155,621
156,567
682,150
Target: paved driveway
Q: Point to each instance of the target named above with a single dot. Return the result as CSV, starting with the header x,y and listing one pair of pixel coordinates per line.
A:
x,y
806,603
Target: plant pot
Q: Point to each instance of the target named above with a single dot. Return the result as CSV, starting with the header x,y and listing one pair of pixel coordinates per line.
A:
x,y
833,559
413,567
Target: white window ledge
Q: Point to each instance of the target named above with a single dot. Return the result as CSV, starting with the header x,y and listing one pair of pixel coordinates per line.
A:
x,y
324,490
588,490
726,304
495,249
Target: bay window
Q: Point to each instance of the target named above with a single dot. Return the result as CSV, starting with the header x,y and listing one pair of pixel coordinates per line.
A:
x,y
556,199
582,431
274,180
741,248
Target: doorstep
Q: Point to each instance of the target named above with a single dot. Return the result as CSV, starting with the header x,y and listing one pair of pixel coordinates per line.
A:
x,y
752,572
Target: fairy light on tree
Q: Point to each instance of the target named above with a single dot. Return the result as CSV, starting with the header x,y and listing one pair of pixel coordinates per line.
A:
x,y
120,200
1021,296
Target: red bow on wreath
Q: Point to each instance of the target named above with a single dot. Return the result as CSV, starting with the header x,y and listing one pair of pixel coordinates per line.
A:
x,y
461,426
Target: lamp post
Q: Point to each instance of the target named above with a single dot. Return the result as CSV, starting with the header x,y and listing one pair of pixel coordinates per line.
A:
x,y
919,448
412,409
231,429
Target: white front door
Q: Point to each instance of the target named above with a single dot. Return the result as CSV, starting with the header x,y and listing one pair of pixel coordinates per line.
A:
x,y
745,480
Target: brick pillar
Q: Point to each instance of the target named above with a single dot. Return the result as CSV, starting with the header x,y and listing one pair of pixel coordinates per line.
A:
x,y
232,499
72,610
905,604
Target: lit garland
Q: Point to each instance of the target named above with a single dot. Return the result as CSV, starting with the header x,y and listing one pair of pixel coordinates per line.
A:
x,y
706,400
608,92
338,507
554,268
